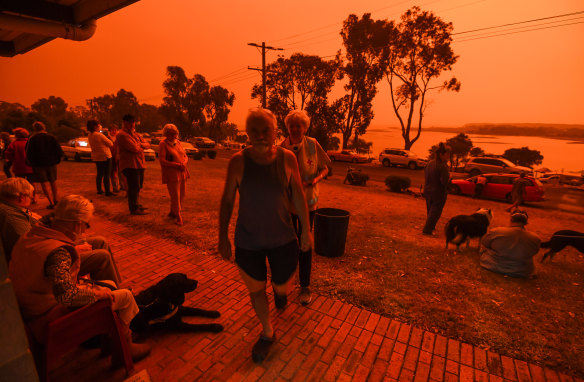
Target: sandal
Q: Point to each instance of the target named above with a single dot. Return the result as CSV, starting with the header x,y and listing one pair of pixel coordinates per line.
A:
x,y
261,348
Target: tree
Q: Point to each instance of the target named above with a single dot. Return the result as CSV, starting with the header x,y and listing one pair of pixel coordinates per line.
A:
x,y
366,43
360,146
185,100
461,146
419,53
523,156
219,100
53,108
477,152
109,108
300,82
150,117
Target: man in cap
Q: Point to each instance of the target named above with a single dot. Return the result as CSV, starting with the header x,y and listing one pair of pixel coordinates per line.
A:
x,y
510,250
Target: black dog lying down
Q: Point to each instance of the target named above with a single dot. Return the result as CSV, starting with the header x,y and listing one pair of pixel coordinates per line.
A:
x,y
161,307
561,240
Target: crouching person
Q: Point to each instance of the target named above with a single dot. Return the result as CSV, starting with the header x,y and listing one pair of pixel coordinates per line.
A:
x,y
45,267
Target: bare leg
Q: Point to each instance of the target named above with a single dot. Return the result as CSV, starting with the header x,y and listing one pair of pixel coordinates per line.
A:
x,y
259,302
47,191
55,193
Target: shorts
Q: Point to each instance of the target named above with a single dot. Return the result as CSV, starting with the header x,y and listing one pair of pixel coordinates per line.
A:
x,y
44,174
283,261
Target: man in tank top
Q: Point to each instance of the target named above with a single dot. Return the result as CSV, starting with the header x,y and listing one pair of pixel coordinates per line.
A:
x,y
268,181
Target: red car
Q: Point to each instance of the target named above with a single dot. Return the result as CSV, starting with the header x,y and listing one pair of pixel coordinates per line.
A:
x,y
347,156
498,187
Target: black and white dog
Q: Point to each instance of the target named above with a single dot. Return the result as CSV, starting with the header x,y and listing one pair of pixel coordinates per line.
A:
x,y
561,240
462,228
161,307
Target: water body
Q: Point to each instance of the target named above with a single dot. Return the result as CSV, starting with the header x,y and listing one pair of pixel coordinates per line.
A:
x,y
558,155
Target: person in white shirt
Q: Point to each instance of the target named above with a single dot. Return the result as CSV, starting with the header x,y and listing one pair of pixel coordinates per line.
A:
x,y
101,154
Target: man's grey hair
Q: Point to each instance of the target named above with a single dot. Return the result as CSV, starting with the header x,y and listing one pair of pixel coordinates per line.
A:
x,y
12,188
74,208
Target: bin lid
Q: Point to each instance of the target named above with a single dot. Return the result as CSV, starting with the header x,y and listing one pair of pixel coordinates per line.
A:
x,y
332,212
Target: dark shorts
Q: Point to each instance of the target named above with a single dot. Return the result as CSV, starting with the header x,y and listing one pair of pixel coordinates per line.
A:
x,y
44,174
283,261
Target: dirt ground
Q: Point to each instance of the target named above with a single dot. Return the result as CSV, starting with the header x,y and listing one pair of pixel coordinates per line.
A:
x,y
391,269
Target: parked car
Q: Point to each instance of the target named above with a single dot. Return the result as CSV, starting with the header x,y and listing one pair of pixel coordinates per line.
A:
x,y
488,165
498,186
190,149
347,156
154,142
204,142
230,145
399,157
149,155
77,149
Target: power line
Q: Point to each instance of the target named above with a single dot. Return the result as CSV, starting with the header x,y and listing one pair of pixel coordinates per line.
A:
x,y
517,32
520,22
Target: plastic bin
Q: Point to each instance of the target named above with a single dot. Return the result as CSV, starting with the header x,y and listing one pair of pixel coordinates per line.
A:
x,y
330,231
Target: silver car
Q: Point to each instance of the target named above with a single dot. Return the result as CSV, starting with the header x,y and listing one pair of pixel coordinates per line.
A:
x,y
485,165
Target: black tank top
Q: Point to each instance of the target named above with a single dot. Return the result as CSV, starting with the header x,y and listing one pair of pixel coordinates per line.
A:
x,y
263,221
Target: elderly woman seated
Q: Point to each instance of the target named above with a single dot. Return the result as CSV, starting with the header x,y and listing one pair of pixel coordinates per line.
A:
x,y
44,271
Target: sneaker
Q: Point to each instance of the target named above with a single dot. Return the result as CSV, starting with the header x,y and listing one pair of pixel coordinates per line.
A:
x,y
305,296
99,192
261,348
280,301
139,212
111,194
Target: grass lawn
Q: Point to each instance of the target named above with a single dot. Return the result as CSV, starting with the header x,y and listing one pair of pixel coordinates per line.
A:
x,y
391,269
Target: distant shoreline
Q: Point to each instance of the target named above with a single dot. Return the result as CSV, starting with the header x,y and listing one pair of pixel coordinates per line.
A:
x,y
573,133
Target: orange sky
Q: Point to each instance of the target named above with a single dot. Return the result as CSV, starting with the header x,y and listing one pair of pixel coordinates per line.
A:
x,y
527,77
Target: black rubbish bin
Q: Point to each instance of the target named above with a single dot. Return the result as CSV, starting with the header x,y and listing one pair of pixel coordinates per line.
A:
x,y
330,231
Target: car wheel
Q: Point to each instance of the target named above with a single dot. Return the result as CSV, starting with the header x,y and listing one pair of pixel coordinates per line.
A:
x,y
355,160
412,165
386,162
77,158
509,198
156,154
475,172
454,189
333,158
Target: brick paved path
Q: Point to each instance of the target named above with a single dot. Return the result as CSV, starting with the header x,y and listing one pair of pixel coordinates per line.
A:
x,y
328,340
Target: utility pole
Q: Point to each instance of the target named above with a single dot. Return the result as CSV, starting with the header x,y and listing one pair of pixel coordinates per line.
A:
x,y
263,69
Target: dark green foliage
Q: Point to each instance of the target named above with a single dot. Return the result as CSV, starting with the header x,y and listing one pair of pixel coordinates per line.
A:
x,y
398,183
523,156
460,146
477,152
211,154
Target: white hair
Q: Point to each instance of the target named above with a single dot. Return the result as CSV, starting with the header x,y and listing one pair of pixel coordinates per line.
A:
x,y
74,208
12,188
297,115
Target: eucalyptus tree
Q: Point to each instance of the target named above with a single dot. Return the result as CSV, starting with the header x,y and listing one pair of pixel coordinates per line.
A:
x,y
419,53
366,42
299,82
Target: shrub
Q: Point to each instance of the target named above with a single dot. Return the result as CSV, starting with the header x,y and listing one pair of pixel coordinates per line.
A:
x,y
211,154
398,183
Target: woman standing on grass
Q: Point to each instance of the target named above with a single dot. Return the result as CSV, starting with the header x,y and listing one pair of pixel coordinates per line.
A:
x,y
313,165
173,163
436,177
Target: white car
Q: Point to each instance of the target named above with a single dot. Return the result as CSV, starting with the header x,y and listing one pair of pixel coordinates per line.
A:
x,y
400,157
77,149
149,154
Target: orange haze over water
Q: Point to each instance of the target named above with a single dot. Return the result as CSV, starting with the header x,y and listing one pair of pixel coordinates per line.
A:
x,y
535,76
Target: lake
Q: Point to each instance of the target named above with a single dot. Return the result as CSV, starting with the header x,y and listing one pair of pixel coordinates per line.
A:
x,y
558,155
